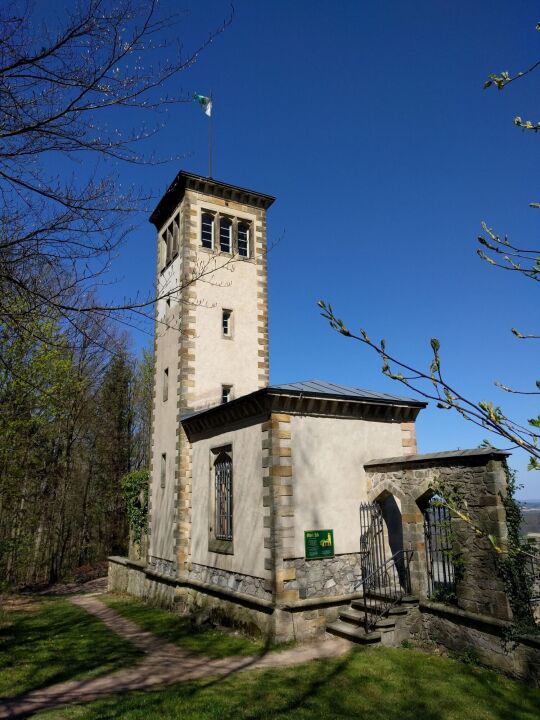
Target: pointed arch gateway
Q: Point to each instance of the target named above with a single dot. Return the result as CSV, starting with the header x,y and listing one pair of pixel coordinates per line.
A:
x,y
383,558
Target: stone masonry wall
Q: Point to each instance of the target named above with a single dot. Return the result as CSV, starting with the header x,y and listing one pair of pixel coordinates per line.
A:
x,y
479,482
246,584
326,577
467,634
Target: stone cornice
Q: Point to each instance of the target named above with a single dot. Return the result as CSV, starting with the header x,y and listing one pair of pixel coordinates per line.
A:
x,y
257,407
198,183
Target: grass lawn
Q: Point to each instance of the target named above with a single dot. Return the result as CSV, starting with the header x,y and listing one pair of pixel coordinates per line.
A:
x,y
51,641
181,630
375,684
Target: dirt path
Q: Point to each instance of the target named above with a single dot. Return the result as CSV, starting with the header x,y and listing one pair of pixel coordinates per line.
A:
x,y
165,664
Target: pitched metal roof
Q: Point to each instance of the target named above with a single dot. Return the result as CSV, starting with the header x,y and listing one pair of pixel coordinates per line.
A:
x,y
320,388
315,389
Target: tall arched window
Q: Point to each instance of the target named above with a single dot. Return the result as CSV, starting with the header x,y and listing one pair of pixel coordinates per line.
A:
x,y
223,477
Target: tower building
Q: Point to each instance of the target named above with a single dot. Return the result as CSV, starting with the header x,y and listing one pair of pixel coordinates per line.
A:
x,y
297,509
211,339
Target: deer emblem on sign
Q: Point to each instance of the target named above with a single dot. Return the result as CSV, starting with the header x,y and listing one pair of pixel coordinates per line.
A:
x,y
327,541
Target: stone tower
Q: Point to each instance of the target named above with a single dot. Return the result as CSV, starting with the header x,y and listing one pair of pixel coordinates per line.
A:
x,y
211,339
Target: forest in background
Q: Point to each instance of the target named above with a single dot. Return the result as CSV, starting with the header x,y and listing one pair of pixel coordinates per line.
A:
x,y
74,419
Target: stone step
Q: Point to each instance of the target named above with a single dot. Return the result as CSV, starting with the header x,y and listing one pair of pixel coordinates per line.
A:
x,y
353,633
385,623
409,600
372,604
356,617
352,616
378,596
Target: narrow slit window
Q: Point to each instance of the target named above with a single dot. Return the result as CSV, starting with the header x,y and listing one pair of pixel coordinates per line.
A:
x,y
226,323
243,239
207,231
226,394
165,384
163,469
225,230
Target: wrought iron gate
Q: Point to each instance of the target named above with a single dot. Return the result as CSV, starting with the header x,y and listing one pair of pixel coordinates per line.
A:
x,y
372,544
383,582
439,550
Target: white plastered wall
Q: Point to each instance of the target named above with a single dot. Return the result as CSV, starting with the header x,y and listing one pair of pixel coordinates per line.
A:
x,y
220,360
248,537
328,474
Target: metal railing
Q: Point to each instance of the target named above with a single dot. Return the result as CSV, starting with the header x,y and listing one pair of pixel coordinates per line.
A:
x,y
385,586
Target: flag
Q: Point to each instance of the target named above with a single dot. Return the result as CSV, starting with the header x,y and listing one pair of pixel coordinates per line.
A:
x,y
205,103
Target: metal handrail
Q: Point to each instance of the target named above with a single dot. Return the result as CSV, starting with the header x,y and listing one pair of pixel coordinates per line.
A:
x,y
386,585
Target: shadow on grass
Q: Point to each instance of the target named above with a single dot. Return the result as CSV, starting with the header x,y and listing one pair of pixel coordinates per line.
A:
x,y
184,632
379,684
54,642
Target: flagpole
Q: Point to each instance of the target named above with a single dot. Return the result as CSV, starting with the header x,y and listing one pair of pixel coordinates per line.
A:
x,y
210,142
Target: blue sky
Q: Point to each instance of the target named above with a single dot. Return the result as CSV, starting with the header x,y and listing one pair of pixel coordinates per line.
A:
x,y
368,122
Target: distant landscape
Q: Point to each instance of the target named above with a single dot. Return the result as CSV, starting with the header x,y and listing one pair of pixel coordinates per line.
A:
x,y
531,516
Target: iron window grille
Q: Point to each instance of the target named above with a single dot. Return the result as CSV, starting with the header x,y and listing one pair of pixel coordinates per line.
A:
x,y
439,551
223,473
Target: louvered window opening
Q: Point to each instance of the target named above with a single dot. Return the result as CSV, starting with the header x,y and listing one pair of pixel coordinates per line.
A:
x,y
223,475
439,550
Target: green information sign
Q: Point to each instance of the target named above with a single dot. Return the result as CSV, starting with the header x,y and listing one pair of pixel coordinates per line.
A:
x,y
319,544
